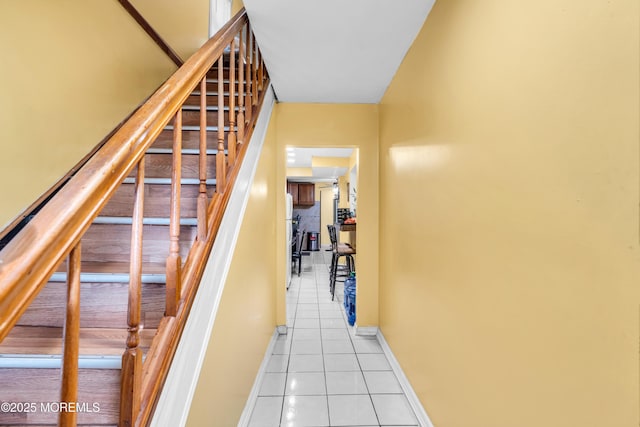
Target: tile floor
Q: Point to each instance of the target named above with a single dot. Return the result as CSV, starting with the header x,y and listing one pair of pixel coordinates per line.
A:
x,y
320,373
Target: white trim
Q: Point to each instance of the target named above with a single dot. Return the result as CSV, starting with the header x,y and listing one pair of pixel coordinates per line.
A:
x,y
282,329
366,331
54,361
167,181
177,394
109,277
417,407
125,220
245,417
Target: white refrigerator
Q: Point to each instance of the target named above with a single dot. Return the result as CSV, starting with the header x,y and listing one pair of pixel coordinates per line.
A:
x,y
288,233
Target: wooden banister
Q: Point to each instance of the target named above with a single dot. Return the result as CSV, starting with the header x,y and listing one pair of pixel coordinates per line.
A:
x,y
29,259
27,262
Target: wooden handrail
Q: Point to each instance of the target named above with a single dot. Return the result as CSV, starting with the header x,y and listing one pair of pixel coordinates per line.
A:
x,y
27,262
151,32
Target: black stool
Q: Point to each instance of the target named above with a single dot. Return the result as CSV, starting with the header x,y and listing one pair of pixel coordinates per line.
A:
x,y
339,250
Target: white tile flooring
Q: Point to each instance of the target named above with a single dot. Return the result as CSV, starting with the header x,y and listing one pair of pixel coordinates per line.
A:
x,y
320,374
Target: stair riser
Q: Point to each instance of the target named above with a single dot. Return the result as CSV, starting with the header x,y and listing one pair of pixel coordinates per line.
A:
x,y
102,305
157,203
211,100
160,166
190,139
111,243
42,386
192,118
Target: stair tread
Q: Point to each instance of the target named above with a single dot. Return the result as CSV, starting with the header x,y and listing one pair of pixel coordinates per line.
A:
x,y
115,267
38,340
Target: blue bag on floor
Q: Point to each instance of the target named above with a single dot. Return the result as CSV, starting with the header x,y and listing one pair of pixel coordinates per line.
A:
x,y
350,298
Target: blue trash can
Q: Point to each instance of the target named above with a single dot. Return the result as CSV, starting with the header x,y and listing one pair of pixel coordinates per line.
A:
x,y
350,298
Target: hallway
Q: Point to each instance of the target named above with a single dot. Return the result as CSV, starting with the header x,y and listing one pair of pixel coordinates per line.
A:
x,y
320,373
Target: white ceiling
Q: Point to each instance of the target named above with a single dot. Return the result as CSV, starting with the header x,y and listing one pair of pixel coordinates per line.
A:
x,y
302,158
334,51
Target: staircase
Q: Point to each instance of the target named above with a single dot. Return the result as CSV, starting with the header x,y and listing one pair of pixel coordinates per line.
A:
x,y
138,264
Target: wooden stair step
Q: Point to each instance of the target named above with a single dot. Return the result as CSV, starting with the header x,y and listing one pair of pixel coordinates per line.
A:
x,y
157,195
190,140
42,388
194,107
38,340
192,117
111,243
103,304
212,98
160,166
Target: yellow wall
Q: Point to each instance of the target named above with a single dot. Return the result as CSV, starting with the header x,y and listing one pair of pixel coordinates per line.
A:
x,y
326,213
236,5
246,317
509,213
184,26
72,70
339,125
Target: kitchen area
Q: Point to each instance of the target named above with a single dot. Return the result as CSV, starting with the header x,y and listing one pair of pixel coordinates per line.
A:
x,y
322,190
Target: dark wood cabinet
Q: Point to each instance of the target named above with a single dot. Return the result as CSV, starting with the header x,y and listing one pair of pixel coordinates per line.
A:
x,y
303,193
292,188
306,194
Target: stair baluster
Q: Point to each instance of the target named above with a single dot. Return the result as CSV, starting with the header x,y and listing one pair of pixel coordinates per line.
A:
x,y
202,196
221,170
254,72
241,88
174,262
71,339
131,374
231,144
248,78
260,72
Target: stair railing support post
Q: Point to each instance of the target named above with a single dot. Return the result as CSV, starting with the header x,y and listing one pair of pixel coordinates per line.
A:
x,y
231,144
202,196
131,373
71,339
221,162
249,79
241,62
174,262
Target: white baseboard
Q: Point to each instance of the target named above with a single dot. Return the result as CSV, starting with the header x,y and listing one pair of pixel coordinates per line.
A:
x,y
282,329
253,395
366,331
417,407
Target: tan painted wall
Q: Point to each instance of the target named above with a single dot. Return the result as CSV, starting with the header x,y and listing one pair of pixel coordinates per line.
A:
x,y
184,25
509,213
236,5
339,125
72,70
246,318
326,214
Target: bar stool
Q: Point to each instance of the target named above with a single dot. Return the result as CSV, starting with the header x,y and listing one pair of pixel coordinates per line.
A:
x,y
339,250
